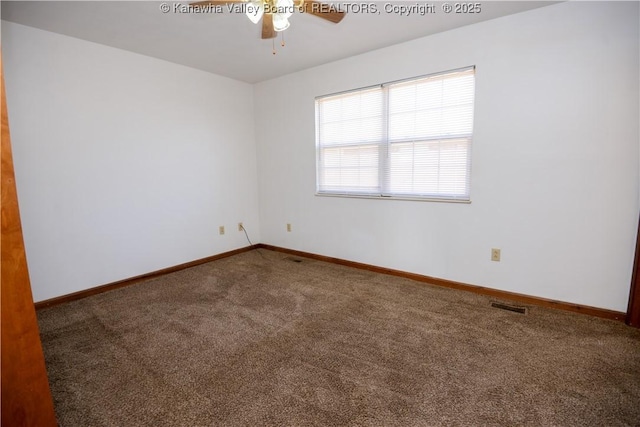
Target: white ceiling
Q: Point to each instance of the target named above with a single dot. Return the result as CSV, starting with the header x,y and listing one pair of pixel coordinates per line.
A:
x,y
228,44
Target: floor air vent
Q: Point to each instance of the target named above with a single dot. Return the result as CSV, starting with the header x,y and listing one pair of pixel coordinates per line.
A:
x,y
508,307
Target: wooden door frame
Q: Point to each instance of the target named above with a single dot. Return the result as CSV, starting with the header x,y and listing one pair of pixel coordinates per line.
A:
x,y
26,397
633,309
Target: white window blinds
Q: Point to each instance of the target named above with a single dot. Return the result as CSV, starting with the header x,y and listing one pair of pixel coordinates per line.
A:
x,y
404,139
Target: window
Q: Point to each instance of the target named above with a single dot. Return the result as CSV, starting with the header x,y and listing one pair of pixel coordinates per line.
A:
x,y
405,139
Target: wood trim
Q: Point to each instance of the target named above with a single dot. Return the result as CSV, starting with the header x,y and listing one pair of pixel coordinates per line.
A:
x,y
26,397
504,295
511,296
633,309
133,280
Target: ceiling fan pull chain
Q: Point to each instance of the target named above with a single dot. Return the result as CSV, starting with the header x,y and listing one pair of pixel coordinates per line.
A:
x,y
282,37
273,45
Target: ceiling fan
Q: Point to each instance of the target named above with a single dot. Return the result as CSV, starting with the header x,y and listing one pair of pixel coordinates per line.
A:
x,y
275,13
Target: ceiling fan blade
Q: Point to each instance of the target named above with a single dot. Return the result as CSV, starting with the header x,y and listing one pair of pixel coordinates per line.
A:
x,y
267,26
326,11
215,2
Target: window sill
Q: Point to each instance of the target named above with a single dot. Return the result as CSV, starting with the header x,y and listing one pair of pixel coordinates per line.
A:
x,y
407,198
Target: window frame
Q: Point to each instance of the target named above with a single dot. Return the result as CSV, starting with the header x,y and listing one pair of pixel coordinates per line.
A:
x,y
386,142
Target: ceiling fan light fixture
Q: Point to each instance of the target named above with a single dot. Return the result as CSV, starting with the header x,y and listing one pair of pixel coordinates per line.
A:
x,y
280,22
285,8
255,11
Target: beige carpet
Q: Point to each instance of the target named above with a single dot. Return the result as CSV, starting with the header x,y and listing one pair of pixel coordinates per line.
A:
x,y
262,340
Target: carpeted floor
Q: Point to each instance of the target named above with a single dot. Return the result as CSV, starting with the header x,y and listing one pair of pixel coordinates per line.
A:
x,y
262,340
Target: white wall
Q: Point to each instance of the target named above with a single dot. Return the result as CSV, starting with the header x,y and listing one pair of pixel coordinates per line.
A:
x,y
127,164
124,164
554,162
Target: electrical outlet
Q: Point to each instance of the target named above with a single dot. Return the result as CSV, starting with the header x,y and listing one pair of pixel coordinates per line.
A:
x,y
288,227
221,229
240,227
495,254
